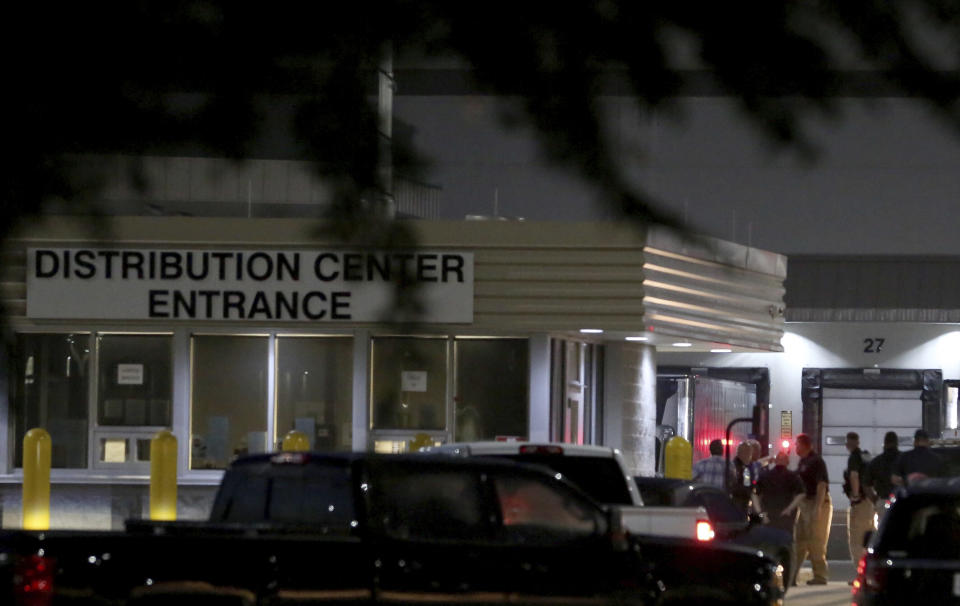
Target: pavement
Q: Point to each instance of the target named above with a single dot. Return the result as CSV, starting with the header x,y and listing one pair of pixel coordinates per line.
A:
x,y
835,593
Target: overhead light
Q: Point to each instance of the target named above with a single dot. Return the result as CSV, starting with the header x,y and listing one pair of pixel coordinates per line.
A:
x,y
592,331
637,338
721,350
683,344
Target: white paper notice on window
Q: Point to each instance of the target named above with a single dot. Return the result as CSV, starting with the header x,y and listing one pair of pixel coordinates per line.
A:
x,y
129,374
413,380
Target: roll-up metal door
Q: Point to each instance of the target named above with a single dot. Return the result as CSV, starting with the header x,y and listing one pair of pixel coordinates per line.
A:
x,y
871,413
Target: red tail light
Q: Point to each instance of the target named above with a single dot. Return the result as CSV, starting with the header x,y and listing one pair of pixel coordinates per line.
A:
x,y
541,449
705,531
33,581
858,580
870,575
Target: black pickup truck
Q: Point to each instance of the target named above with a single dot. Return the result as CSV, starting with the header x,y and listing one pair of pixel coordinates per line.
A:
x,y
306,528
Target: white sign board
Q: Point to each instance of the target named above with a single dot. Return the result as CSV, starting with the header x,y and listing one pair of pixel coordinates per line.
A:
x,y
413,380
129,374
251,285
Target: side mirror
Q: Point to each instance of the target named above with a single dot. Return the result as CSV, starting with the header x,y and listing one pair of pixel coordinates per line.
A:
x,y
866,538
755,519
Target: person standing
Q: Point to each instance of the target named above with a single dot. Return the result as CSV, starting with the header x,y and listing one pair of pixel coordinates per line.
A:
x,y
919,463
816,512
781,492
714,470
742,489
860,513
880,470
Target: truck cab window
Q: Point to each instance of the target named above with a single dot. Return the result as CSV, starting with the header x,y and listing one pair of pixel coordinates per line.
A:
x,y
528,505
428,505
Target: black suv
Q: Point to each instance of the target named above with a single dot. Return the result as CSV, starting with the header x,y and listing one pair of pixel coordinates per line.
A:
x,y
915,554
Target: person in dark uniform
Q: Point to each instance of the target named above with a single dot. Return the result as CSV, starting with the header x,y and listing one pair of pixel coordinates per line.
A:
x,y
816,512
919,463
781,492
742,492
860,513
880,470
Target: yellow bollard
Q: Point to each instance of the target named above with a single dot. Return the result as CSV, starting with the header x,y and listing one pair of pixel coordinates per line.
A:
x,y
678,459
296,441
163,476
36,479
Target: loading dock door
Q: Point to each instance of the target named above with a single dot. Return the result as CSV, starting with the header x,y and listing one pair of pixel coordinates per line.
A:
x,y
871,413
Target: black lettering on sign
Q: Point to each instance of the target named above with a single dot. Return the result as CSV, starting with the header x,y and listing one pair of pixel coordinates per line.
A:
x,y
85,267
47,264
158,303
874,345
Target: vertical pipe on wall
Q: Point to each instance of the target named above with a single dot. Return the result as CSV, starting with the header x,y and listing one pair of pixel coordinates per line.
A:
x,y
36,479
163,476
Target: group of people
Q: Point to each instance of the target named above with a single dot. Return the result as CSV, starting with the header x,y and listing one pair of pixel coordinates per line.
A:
x,y
799,503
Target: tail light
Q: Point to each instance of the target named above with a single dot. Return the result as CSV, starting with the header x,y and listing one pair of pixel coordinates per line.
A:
x,y
871,574
705,531
858,580
541,449
33,581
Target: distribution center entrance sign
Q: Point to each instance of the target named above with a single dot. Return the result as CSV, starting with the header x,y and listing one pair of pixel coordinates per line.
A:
x,y
252,285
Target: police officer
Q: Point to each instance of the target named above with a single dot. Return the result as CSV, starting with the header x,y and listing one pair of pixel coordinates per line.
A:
x,y
742,492
816,512
781,494
880,470
919,463
860,513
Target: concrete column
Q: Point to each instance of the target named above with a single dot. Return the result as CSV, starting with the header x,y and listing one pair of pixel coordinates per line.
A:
x,y
361,393
630,408
539,419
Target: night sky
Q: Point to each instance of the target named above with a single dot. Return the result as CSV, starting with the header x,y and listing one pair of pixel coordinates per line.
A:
x,y
885,180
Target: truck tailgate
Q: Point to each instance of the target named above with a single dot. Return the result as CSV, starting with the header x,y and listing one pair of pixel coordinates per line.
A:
x,y
663,521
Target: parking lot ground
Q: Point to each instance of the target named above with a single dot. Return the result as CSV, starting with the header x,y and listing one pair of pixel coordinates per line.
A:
x,y
834,593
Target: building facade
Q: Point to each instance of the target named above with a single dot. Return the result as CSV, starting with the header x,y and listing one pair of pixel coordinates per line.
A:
x,y
232,332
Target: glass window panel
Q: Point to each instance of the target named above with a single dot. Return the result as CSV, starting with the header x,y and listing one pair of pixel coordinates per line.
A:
x,y
492,388
143,450
229,400
409,383
315,390
113,450
135,380
50,390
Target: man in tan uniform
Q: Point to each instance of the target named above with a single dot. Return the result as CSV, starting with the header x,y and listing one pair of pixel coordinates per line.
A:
x,y
860,514
816,512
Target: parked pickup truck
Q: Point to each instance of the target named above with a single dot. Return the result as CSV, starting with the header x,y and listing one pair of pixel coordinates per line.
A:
x,y
298,528
600,472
